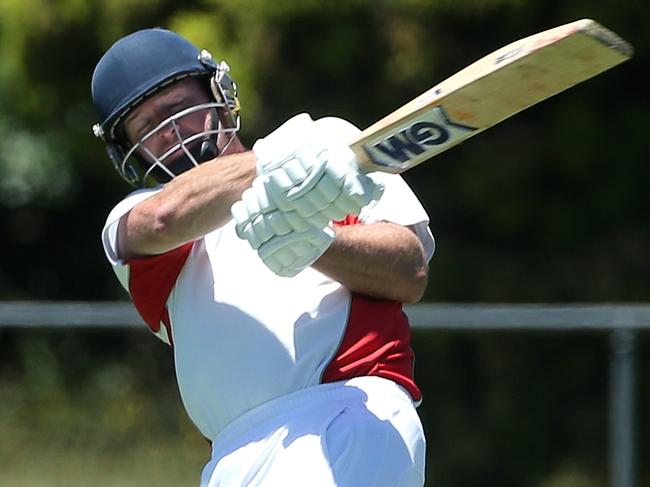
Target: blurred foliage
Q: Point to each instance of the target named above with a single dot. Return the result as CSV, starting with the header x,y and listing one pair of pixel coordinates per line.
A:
x,y
551,205
97,408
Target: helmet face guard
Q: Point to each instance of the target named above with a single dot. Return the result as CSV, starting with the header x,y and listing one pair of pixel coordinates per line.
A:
x,y
137,68
141,166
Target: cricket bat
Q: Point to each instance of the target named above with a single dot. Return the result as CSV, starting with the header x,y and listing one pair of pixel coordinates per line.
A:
x,y
488,91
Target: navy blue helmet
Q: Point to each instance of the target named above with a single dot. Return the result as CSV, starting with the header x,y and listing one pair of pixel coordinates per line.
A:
x,y
138,67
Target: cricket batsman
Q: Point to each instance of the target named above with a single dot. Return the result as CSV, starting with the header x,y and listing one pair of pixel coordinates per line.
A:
x,y
276,275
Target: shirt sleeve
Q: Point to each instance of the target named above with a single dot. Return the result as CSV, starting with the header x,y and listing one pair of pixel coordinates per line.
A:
x,y
109,232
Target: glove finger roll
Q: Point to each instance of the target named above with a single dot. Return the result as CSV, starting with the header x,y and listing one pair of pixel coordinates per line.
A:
x,y
279,223
259,187
314,167
296,171
297,223
250,200
240,215
248,233
321,219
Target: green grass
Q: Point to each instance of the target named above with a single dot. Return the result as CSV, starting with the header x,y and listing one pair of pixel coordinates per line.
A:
x,y
75,415
167,462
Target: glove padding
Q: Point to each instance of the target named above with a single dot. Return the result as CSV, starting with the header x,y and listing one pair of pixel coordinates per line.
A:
x,y
318,178
258,221
287,255
285,241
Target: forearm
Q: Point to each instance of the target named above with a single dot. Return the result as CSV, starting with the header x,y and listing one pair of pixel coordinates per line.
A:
x,y
188,207
383,259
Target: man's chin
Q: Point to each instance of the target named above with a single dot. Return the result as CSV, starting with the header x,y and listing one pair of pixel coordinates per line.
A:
x,y
176,167
180,161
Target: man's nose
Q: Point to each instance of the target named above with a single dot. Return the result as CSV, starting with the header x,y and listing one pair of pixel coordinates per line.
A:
x,y
164,139
166,132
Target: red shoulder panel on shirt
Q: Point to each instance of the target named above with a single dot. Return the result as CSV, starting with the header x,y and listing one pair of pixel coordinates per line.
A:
x,y
151,281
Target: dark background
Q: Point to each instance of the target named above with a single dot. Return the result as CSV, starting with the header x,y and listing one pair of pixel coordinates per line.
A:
x,y
548,206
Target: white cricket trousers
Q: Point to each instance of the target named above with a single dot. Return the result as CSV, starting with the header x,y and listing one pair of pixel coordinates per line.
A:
x,y
363,432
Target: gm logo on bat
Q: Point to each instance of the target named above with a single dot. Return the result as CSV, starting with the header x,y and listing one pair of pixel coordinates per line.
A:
x,y
416,140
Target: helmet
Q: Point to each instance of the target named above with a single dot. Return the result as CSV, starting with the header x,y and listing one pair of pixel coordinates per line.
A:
x,y
137,67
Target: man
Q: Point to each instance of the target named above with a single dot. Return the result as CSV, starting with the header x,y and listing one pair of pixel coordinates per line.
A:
x,y
276,274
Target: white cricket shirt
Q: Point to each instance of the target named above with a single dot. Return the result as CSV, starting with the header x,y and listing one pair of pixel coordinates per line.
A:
x,y
242,335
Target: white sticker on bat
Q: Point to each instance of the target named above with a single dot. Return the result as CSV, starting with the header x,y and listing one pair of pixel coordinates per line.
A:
x,y
412,142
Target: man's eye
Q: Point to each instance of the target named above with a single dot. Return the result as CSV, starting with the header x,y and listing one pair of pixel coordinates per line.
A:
x,y
139,134
174,108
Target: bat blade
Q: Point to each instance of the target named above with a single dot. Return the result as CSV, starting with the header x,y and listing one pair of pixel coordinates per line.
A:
x,y
487,92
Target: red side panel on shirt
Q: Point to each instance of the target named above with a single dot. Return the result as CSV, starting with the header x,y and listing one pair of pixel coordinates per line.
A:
x,y
151,281
377,341
348,220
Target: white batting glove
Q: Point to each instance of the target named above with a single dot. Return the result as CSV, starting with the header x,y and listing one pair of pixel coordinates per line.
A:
x,y
287,255
318,178
279,146
285,241
258,221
